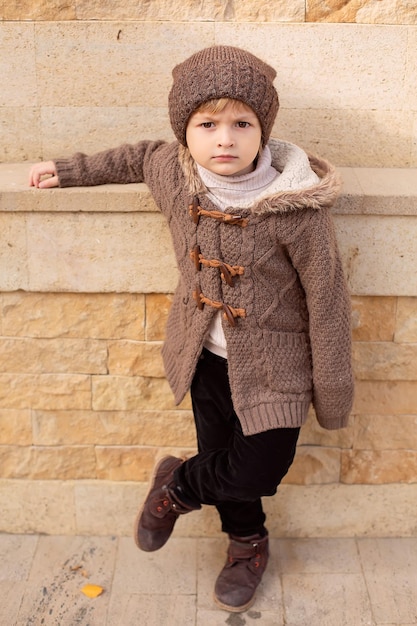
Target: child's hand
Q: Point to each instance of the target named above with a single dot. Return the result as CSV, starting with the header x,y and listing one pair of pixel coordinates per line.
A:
x,y
39,170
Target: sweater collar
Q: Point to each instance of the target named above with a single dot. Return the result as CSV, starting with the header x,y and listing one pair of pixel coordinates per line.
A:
x,y
304,181
240,191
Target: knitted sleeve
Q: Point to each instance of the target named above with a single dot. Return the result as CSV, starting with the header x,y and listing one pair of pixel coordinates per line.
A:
x,y
315,256
124,164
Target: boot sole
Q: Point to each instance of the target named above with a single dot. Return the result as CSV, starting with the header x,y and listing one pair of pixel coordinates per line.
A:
x,y
139,515
234,609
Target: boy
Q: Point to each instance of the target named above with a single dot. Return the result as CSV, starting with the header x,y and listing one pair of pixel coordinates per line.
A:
x,y
260,322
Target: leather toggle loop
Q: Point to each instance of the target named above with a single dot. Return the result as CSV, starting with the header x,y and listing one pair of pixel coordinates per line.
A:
x,y
196,211
227,272
197,295
230,313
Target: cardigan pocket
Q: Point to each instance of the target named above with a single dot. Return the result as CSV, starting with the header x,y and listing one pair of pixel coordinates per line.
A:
x,y
288,361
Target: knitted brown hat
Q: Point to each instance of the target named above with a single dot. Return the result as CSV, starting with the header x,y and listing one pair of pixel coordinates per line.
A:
x,y
222,72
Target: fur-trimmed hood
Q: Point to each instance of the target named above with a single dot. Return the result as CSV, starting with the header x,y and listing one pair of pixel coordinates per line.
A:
x,y
305,180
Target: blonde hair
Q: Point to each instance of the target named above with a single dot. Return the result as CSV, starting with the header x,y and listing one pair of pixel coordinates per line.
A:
x,y
217,105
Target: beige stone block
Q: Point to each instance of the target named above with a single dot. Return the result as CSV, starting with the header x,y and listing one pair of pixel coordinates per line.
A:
x,y
387,12
39,10
31,506
357,79
165,10
314,465
39,356
351,198
373,318
388,190
17,552
391,578
12,593
15,427
385,432
362,11
379,466
164,611
13,253
385,361
157,309
133,358
367,271
47,463
338,510
45,391
414,143
17,65
122,428
310,598
181,555
112,63
406,321
385,397
21,134
411,87
107,507
61,567
341,134
77,252
90,129
125,463
312,434
95,316
281,11
121,393
318,556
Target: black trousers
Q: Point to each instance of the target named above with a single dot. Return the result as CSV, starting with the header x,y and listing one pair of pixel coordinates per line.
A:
x,y
231,471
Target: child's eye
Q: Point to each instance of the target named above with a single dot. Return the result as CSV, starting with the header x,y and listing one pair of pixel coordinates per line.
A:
x,y
207,124
243,124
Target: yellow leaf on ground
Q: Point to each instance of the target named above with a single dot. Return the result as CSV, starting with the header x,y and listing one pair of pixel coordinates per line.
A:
x,y
92,591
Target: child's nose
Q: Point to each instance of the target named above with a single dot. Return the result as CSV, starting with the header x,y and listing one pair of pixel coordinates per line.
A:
x,y
225,137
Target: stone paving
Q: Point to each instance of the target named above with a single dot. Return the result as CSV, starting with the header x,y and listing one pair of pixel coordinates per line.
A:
x,y
309,582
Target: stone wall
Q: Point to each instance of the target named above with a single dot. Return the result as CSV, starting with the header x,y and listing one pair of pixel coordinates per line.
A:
x,y
84,406
88,75
83,395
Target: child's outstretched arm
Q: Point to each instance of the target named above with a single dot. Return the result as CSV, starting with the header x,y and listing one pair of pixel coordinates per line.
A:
x,y
37,173
121,165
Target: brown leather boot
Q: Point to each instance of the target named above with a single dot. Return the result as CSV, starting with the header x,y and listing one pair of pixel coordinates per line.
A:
x,y
161,509
237,582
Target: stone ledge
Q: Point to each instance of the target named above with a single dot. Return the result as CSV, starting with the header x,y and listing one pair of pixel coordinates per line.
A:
x,y
366,191
17,196
94,507
111,238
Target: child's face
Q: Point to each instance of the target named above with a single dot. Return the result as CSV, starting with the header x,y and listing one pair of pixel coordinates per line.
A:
x,y
226,142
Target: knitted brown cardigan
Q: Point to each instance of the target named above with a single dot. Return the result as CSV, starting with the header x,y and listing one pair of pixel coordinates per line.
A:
x,y
273,269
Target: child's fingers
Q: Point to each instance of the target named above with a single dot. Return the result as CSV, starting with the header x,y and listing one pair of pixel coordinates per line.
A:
x,y
47,183
39,170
